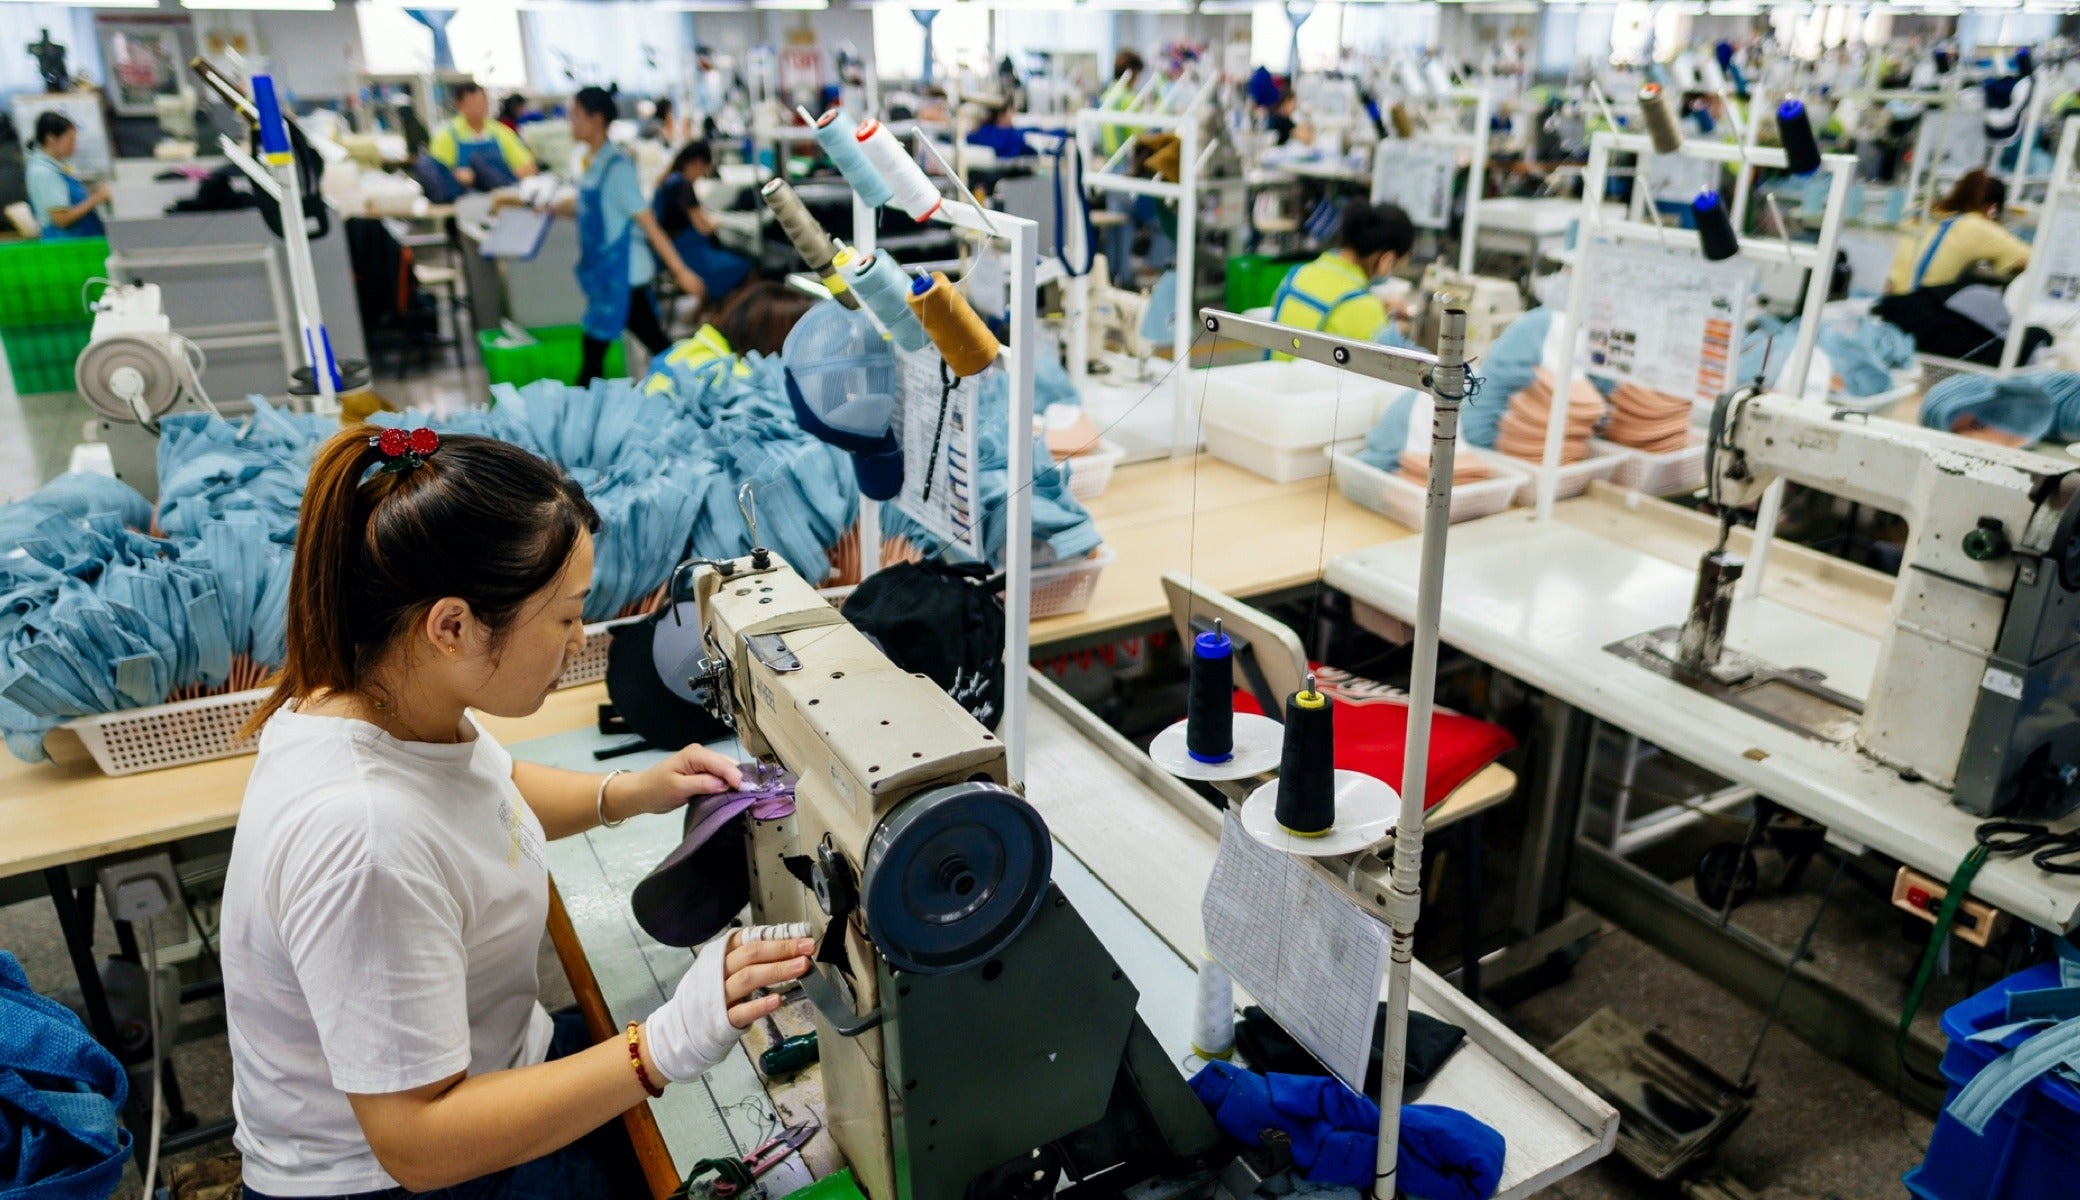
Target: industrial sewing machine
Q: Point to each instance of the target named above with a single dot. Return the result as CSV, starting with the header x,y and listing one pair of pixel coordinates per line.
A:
x,y
1977,684
134,370
978,1040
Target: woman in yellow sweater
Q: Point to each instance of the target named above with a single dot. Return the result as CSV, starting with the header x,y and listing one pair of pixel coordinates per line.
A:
x,y
1967,232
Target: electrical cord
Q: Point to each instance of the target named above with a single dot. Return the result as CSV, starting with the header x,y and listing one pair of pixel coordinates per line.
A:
x,y
151,1000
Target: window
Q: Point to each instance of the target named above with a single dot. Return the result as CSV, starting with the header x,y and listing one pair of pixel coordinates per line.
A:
x,y
484,36
960,41
23,24
1320,40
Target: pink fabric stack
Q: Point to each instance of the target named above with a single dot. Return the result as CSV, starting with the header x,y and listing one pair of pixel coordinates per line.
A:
x,y
1522,433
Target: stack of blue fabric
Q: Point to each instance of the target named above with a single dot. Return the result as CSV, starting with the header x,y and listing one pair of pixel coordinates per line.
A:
x,y
2042,406
97,616
1508,367
1863,355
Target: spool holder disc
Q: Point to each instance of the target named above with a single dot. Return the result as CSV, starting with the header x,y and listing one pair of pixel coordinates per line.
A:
x,y
1259,741
1366,810
953,876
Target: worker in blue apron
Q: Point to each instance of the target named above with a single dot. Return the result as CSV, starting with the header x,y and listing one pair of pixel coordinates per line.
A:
x,y
1333,294
478,151
677,207
614,267
64,206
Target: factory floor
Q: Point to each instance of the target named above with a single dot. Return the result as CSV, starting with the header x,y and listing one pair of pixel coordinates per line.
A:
x,y
1818,1131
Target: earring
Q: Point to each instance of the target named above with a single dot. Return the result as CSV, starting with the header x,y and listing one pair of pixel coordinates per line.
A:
x,y
451,648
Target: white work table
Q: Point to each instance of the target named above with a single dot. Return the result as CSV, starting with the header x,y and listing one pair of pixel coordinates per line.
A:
x,y
1134,857
1540,601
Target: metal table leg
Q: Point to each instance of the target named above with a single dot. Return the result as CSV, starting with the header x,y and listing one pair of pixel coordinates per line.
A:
x,y
76,921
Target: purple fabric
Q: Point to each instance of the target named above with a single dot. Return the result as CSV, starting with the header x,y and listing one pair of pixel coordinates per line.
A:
x,y
705,881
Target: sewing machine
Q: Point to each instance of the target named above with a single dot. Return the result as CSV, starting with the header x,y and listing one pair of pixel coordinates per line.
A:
x,y
1977,684
134,370
1118,316
978,1039
1490,306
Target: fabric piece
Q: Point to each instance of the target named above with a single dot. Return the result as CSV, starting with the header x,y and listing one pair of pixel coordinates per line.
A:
x,y
1269,1049
61,1099
382,910
1862,353
2001,1080
1648,420
1444,1154
706,880
841,383
941,620
2021,407
1372,733
1522,431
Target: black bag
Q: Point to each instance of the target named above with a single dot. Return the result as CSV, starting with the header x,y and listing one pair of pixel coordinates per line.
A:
x,y
943,621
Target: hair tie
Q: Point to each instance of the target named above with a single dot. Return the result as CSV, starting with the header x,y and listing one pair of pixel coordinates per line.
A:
x,y
404,449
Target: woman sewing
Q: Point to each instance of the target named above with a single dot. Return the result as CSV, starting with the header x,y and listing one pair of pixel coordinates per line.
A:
x,y
677,207
64,206
387,891
1945,286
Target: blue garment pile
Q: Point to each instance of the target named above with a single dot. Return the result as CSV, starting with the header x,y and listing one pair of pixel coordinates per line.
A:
x,y
96,616
2039,407
1445,1154
209,467
1863,355
1062,527
2042,1037
664,469
61,1094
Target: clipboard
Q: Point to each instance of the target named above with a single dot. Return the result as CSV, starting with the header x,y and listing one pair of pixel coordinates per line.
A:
x,y
518,233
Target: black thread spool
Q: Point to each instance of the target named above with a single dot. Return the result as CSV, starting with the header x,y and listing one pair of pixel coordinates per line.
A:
x,y
1714,227
1662,127
1307,768
1795,130
1209,722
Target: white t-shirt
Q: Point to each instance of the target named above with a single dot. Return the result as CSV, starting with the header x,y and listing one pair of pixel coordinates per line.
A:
x,y
382,910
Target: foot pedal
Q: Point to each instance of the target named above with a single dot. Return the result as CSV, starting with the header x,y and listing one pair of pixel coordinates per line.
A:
x,y
1672,1108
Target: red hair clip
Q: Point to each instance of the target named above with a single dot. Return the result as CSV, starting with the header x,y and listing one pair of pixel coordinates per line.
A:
x,y
404,449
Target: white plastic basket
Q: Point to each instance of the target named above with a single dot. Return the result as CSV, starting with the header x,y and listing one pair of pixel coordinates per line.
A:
x,y
191,731
1655,474
1063,588
1574,478
1279,464
1091,473
1403,500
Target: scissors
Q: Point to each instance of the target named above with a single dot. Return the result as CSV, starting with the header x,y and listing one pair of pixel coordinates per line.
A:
x,y
2056,853
735,1177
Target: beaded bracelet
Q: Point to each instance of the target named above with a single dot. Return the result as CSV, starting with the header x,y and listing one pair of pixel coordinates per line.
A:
x,y
635,1059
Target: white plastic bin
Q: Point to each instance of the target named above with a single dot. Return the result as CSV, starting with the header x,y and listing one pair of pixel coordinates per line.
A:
x,y
1090,473
1655,474
1274,418
1403,500
1574,477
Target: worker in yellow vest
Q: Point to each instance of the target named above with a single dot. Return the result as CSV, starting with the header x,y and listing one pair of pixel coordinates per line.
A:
x,y
1333,294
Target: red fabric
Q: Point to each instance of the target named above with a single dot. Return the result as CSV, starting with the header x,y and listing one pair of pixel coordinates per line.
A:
x,y
1372,733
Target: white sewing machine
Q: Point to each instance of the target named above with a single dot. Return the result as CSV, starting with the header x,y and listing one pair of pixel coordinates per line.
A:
x,y
1490,305
134,370
977,1038
1977,685
1118,316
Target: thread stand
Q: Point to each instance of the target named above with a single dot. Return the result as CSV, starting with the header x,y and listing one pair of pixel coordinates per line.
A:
x,y
1258,740
1366,809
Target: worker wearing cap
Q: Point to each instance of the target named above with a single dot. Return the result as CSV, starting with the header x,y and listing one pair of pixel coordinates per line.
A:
x,y
1333,294
481,152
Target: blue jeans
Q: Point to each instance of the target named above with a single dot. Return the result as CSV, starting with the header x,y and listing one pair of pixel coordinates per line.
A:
x,y
599,1166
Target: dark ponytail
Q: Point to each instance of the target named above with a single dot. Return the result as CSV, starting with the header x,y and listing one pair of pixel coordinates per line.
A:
x,y
481,520
1975,191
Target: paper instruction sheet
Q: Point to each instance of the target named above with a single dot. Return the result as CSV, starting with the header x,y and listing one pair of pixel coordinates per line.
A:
x,y
938,484
1309,955
1665,318
2060,278
1418,176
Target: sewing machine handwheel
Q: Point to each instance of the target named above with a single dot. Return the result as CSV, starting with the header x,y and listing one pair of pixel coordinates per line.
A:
x,y
953,876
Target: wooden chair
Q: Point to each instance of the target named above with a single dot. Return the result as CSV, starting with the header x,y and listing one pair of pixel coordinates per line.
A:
x,y
1271,664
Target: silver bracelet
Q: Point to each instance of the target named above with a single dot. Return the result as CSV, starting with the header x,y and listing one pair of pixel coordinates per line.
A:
x,y
599,802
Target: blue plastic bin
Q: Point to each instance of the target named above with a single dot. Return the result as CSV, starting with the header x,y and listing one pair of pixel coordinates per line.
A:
x,y
2031,1148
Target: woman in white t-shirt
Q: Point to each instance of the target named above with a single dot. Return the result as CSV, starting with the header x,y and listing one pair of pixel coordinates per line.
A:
x,y
387,890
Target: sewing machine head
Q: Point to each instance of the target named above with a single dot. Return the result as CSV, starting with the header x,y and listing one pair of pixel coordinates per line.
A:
x,y
1977,684
977,1038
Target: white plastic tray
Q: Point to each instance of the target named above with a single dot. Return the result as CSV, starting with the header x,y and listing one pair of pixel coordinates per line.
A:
x,y
1403,500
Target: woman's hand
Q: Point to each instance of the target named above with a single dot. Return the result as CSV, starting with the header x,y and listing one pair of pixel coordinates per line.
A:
x,y
718,998
672,784
689,283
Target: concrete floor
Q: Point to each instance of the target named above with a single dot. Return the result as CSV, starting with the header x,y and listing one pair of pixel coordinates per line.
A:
x,y
1818,1131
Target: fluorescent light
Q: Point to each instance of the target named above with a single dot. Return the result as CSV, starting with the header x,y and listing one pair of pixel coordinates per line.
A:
x,y
88,3
260,5
792,5
1219,7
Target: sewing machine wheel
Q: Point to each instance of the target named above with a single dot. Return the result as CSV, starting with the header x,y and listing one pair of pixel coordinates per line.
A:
x,y
954,875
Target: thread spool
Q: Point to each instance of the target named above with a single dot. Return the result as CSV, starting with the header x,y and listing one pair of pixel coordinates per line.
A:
x,y
1404,125
1663,129
1714,228
810,239
913,190
883,287
1209,722
963,340
1795,130
835,132
1213,1018
1307,769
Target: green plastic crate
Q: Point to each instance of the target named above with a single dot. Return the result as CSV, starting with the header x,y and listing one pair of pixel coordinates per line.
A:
x,y
839,1186
44,279
1253,279
40,356
557,353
